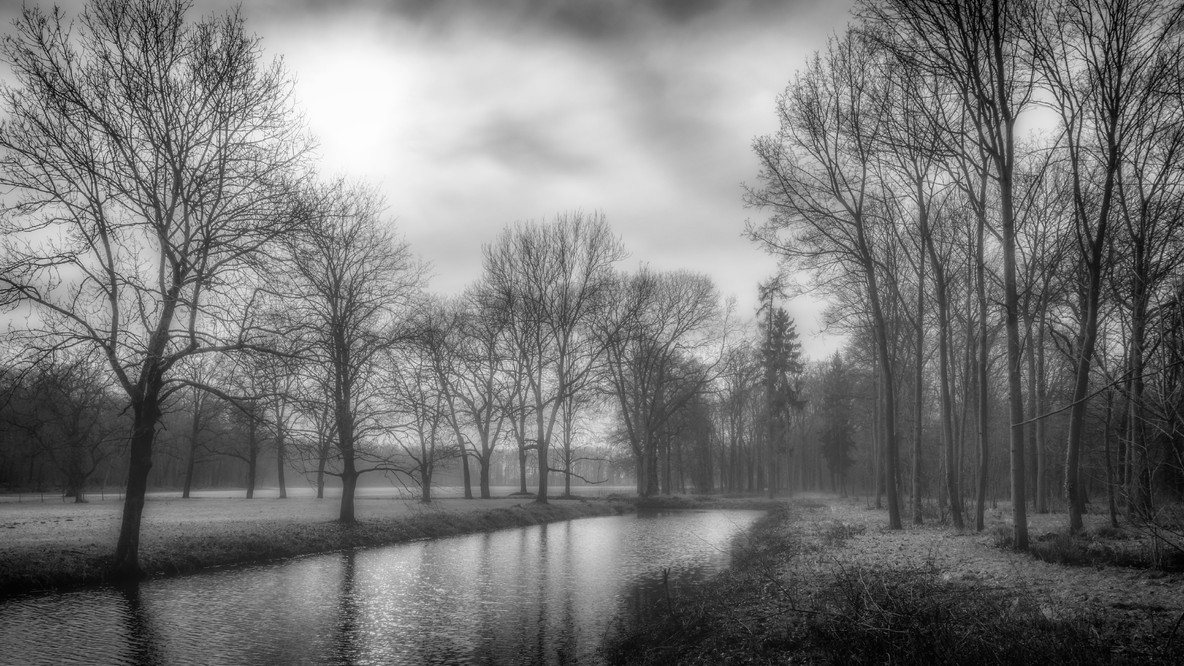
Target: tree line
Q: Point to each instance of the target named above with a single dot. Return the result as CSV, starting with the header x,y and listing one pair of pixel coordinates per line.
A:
x,y
1009,282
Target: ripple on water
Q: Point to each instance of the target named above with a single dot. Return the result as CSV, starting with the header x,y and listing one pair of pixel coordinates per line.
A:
x,y
545,593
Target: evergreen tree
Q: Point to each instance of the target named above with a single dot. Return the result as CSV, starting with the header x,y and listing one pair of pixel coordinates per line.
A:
x,y
781,362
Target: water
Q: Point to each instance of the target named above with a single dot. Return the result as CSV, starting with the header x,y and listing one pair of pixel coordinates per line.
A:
x,y
541,594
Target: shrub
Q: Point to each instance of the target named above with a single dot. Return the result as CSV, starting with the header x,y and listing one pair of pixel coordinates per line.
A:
x,y
837,534
1003,537
913,616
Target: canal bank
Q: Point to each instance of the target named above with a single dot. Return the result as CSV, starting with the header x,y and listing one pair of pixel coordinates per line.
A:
x,y
824,581
62,546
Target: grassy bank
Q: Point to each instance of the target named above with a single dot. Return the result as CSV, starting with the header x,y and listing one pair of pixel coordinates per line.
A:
x,y
701,502
54,547
806,586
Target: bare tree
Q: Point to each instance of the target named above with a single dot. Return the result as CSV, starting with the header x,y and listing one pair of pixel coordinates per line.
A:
x,y
147,156
353,281
554,281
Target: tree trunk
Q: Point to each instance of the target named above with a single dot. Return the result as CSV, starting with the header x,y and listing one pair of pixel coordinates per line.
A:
x,y
984,402
194,430
544,455
1140,503
1087,340
667,488
190,464
425,483
321,462
1041,391
891,452
483,473
1111,504
252,469
651,467
349,473
349,484
146,414
468,479
522,467
1015,387
252,453
919,392
877,437
944,342
280,456
75,479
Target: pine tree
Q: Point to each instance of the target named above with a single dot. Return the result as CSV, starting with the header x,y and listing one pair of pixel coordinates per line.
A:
x,y
781,362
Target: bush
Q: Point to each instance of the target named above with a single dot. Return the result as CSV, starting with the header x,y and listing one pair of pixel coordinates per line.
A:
x,y
913,616
1003,537
837,534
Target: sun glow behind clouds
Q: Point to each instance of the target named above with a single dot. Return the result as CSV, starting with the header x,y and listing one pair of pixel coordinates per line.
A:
x,y
356,99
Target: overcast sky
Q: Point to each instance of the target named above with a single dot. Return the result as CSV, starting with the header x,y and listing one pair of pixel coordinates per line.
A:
x,y
471,114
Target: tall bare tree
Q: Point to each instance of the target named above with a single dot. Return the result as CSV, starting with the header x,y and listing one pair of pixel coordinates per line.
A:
x,y
353,282
147,156
1100,61
980,49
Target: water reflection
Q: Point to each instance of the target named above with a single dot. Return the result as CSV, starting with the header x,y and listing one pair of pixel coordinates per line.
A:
x,y
542,594
345,643
141,637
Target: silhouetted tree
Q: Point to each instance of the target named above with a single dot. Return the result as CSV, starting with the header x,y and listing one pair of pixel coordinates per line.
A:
x,y
146,157
352,285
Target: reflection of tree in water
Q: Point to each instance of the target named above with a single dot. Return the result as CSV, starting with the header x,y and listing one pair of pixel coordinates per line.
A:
x,y
142,640
566,650
657,594
346,638
483,652
538,656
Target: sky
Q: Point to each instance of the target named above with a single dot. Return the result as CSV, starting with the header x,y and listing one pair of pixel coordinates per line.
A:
x,y
469,115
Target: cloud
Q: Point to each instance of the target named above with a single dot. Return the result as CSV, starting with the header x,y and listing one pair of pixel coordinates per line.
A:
x,y
473,114
603,21
520,144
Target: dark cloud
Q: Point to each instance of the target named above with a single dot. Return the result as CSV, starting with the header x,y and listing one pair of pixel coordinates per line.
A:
x,y
595,21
